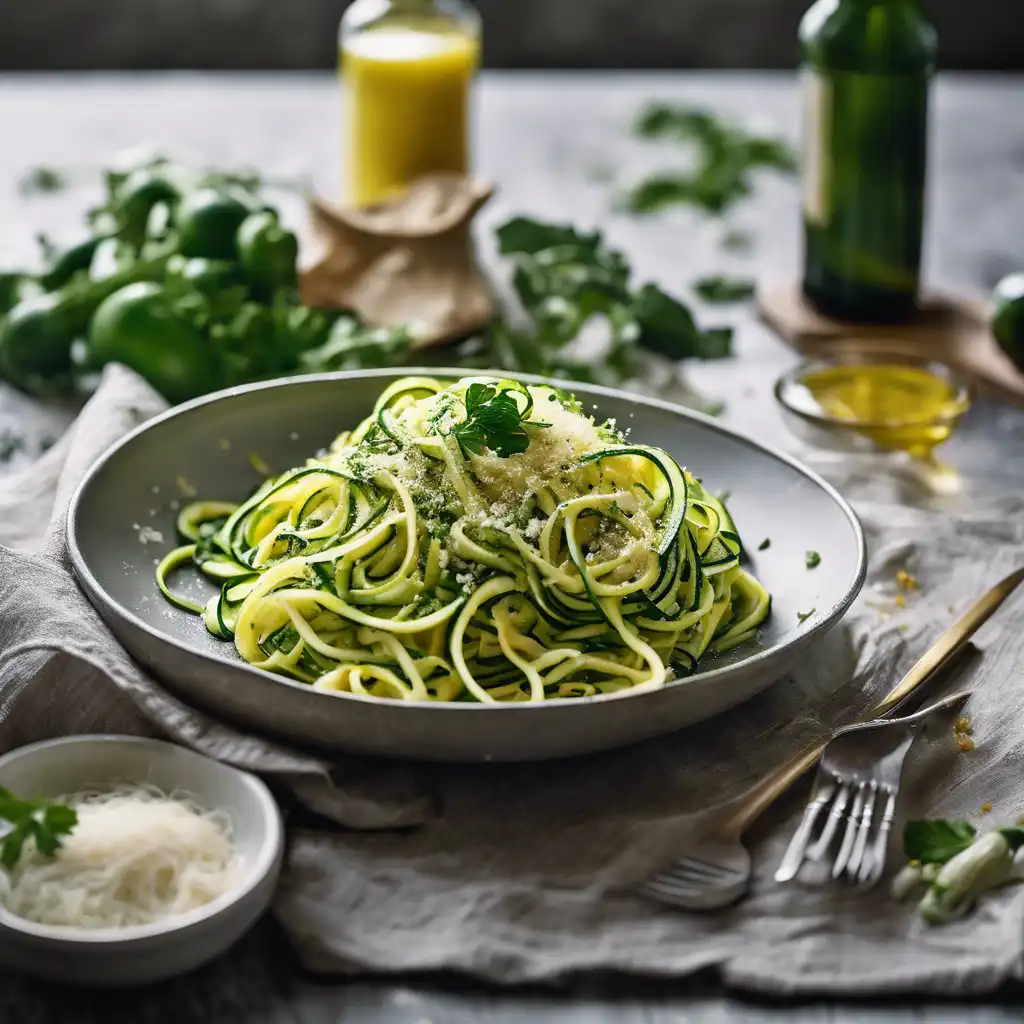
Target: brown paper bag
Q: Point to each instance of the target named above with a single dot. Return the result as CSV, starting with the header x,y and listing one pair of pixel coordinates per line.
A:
x,y
408,261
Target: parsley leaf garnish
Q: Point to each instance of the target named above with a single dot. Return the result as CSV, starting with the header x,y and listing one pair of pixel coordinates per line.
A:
x,y
935,842
812,559
40,820
493,423
724,289
765,544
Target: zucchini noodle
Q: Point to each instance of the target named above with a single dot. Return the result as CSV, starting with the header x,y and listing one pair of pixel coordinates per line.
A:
x,y
419,559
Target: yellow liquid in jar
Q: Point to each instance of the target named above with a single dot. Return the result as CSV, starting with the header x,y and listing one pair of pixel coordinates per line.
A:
x,y
408,106
900,407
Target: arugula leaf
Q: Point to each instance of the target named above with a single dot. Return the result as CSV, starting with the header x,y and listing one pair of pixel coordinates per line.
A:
x,y
937,841
40,820
726,156
493,423
724,289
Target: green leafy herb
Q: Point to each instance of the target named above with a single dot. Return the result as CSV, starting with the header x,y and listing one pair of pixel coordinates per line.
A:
x,y
724,289
765,544
726,156
493,422
40,820
566,279
802,617
812,559
938,841
42,180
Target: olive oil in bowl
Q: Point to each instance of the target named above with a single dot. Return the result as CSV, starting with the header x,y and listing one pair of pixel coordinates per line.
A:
x,y
882,403
900,407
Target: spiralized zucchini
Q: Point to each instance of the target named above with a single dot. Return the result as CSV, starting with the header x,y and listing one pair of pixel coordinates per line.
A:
x,y
449,549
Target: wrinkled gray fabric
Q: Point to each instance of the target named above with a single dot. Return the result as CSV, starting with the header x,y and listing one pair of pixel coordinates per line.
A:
x,y
524,873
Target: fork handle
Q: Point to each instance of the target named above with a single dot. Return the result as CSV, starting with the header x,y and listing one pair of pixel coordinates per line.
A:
x,y
769,789
937,658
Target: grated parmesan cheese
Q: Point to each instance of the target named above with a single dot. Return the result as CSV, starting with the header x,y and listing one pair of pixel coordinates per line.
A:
x,y
552,449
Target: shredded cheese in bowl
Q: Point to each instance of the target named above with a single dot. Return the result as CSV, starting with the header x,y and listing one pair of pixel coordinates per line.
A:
x,y
137,856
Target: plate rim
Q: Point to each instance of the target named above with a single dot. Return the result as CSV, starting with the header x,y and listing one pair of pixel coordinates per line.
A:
x,y
96,592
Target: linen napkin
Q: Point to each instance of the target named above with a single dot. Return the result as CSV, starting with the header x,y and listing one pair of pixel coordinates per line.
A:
x,y
524,873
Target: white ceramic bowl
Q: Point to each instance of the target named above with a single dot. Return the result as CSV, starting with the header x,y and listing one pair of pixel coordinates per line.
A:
x,y
144,953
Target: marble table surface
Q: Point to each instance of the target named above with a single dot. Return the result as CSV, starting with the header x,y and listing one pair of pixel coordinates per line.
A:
x,y
559,146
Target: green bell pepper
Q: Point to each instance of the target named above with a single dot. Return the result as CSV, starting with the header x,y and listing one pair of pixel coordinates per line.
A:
x,y
268,252
208,221
35,342
140,327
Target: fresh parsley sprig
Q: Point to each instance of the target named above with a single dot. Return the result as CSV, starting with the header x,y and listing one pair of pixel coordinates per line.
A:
x,y
494,422
47,823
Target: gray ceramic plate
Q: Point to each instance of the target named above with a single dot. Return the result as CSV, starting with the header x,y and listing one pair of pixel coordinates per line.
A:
x,y
122,520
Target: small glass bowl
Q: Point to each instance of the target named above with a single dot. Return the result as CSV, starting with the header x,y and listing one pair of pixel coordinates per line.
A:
x,y
916,435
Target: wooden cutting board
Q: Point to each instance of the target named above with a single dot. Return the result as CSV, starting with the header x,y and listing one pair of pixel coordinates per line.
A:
x,y
950,329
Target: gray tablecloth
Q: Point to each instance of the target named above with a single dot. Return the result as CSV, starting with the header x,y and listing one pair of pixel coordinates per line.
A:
x,y
516,873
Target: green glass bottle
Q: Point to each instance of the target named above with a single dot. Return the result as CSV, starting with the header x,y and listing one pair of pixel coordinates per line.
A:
x,y
866,72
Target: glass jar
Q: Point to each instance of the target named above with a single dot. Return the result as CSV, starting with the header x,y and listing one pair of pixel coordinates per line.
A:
x,y
407,72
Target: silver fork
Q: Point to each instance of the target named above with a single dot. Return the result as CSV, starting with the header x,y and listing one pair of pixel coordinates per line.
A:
x,y
859,777
717,871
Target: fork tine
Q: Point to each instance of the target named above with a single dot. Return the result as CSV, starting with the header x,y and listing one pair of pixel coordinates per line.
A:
x,y
850,834
857,855
871,872
789,866
686,869
824,841
677,895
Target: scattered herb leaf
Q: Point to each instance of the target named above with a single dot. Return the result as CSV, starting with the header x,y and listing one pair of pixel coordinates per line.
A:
x,y
935,842
724,289
812,559
42,181
765,544
726,157
802,617
40,820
